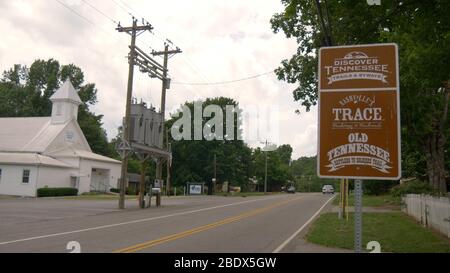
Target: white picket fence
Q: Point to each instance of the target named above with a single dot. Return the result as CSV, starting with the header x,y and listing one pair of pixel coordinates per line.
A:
x,y
430,211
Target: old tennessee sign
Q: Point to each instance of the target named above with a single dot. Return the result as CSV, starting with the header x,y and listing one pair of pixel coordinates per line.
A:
x,y
359,113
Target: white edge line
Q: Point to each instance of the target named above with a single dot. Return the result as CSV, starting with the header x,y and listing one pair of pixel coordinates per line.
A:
x,y
283,245
131,222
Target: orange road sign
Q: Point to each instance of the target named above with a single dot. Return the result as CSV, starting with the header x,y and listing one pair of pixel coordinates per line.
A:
x,y
359,112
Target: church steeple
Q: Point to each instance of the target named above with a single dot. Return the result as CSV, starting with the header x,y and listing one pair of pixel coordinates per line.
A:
x,y
65,104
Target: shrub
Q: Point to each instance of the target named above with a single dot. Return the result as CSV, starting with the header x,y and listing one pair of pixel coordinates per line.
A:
x,y
131,191
378,187
180,190
54,192
92,193
412,187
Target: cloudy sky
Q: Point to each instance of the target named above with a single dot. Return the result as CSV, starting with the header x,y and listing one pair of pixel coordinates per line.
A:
x,y
221,41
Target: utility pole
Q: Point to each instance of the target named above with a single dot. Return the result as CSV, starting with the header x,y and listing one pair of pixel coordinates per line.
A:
x,y
215,167
165,86
169,164
213,181
265,179
126,124
142,184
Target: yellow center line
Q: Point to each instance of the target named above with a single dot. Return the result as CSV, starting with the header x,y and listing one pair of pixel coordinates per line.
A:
x,y
186,233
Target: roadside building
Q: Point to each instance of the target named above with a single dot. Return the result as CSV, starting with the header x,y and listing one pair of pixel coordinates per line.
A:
x,y
38,152
134,181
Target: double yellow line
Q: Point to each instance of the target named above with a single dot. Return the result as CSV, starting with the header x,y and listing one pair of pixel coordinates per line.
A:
x,y
186,233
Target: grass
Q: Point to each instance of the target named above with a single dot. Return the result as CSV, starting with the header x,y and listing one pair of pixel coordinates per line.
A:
x,y
99,197
396,232
374,201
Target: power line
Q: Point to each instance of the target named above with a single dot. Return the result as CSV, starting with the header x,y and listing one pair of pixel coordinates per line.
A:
x,y
132,12
87,20
190,65
124,9
159,35
75,12
197,71
130,8
227,82
99,11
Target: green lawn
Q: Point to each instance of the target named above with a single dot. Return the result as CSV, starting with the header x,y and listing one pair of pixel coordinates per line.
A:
x,y
396,232
99,197
374,201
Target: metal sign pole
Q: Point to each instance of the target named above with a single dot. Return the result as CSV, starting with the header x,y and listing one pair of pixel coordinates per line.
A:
x,y
346,198
341,203
358,216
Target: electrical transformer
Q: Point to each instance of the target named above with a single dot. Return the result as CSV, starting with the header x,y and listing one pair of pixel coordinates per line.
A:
x,y
146,126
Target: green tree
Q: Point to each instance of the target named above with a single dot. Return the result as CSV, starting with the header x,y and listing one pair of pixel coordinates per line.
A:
x,y
278,172
193,161
304,171
422,31
26,92
285,153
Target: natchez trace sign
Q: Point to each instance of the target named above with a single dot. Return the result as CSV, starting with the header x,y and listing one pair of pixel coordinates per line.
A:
x,y
359,112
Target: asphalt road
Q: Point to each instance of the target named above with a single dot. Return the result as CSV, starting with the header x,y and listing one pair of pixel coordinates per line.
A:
x,y
183,225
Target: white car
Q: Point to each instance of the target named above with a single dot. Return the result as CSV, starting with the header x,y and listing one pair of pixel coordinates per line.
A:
x,y
328,189
291,189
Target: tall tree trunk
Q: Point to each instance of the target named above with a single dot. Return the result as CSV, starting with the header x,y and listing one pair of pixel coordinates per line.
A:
x,y
435,149
434,153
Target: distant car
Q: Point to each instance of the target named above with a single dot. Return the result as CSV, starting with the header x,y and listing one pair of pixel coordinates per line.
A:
x,y
291,190
328,189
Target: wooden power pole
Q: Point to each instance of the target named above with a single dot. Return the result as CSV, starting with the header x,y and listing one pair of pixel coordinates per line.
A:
x,y
165,86
133,31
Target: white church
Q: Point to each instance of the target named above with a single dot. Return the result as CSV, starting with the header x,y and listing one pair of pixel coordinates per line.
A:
x,y
52,152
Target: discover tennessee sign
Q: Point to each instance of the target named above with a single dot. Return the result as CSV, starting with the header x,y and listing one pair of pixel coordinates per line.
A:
x,y
359,112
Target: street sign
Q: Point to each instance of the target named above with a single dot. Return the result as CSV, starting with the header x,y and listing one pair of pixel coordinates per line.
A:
x,y
124,149
359,112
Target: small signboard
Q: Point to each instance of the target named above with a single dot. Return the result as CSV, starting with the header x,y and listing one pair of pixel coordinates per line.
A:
x,y
158,183
359,112
195,189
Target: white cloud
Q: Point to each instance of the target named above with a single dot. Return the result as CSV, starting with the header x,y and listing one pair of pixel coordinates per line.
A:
x,y
221,40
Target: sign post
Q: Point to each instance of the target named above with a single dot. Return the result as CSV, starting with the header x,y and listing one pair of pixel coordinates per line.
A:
x,y
359,117
358,216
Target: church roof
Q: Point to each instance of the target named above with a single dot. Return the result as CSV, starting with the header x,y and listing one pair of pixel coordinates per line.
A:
x,y
66,92
90,155
31,159
72,152
32,134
